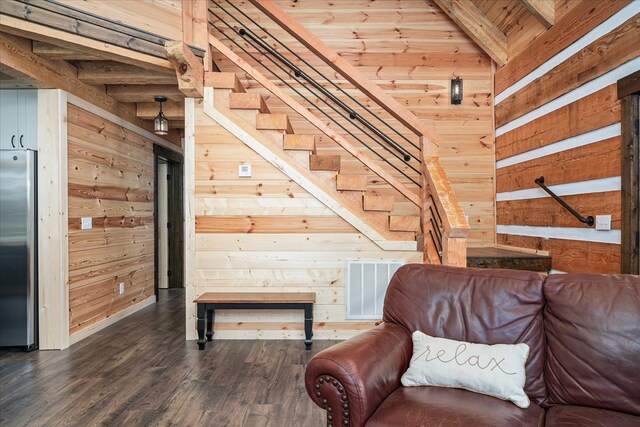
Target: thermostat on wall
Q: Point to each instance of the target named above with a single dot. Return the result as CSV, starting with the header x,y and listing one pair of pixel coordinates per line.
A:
x,y
244,171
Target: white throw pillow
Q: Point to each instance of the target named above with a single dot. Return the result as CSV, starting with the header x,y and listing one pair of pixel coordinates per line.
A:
x,y
496,370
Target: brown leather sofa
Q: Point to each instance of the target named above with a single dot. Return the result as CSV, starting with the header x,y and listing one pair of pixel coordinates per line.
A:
x,y
583,331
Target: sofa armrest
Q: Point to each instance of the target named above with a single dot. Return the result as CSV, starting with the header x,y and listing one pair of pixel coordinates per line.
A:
x,y
352,378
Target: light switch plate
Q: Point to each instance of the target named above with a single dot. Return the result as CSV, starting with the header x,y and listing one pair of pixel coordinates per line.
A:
x,y
87,223
121,288
244,171
603,222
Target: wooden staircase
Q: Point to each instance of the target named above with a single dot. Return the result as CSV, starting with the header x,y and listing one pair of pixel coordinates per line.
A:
x,y
352,190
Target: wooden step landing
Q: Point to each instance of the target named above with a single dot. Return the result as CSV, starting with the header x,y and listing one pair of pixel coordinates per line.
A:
x,y
300,142
247,101
274,122
324,162
375,202
404,223
509,259
351,182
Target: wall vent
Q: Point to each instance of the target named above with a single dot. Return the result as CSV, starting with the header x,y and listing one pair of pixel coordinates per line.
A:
x,y
367,282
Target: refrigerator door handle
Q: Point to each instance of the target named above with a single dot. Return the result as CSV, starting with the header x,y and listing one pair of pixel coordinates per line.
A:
x,y
13,145
21,136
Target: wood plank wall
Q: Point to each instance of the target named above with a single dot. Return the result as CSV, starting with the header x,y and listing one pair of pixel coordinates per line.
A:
x,y
266,233
573,141
411,49
111,180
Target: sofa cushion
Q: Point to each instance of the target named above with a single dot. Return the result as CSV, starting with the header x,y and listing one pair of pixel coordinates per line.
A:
x,y
433,406
581,416
495,370
483,306
592,326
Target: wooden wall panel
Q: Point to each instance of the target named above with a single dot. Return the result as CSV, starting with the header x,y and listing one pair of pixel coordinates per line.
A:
x,y
259,234
609,51
571,255
592,112
110,180
575,162
592,161
571,23
411,50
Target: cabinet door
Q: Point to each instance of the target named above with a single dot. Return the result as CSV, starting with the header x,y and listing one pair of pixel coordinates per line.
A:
x,y
9,118
28,118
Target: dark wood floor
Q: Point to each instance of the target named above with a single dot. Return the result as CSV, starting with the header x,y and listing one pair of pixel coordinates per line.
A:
x,y
141,371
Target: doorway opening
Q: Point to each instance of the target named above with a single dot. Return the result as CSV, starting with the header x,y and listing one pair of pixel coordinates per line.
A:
x,y
169,223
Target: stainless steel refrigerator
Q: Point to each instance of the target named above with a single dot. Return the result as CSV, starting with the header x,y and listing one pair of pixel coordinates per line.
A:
x,y
18,249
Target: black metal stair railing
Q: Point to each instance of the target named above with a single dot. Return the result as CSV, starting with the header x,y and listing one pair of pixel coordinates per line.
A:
x,y
588,220
317,90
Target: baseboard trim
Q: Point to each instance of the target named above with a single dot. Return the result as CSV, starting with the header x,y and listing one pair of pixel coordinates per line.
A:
x,y
79,336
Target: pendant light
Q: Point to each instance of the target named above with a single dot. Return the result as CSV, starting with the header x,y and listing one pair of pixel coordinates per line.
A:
x,y
160,123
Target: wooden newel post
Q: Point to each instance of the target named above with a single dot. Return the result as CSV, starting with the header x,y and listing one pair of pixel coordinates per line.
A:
x,y
454,251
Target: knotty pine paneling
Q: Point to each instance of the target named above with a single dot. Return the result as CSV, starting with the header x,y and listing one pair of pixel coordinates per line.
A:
x,y
411,50
600,159
267,234
111,181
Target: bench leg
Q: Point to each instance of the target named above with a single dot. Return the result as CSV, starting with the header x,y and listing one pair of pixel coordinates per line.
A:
x,y
201,325
211,317
308,325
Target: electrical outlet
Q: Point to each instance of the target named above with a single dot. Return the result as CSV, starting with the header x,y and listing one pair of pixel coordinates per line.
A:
x,y
121,288
86,223
603,222
244,171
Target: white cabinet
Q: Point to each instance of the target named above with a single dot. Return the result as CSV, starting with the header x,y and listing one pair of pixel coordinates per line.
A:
x,y
19,118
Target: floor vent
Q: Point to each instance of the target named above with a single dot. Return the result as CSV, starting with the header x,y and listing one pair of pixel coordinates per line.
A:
x,y
367,283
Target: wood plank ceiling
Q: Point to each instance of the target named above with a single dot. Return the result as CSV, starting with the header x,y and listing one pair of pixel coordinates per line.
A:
x,y
500,27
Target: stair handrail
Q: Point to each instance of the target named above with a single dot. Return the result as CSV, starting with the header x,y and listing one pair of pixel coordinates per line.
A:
x,y
311,118
588,220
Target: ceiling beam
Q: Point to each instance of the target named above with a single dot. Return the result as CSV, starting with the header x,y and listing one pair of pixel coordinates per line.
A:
x,y
543,10
116,73
477,26
173,110
144,93
17,59
51,51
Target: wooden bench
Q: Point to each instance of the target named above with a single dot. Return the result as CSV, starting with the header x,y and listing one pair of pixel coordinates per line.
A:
x,y
209,302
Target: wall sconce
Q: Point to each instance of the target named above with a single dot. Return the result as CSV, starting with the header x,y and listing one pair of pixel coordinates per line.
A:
x,y
160,123
456,91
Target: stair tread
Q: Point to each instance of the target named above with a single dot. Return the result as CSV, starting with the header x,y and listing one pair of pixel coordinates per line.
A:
x,y
330,162
300,142
404,223
352,182
274,122
247,101
377,202
218,80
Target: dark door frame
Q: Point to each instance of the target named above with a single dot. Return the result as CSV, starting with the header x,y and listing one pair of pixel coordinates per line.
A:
x,y
629,95
175,164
